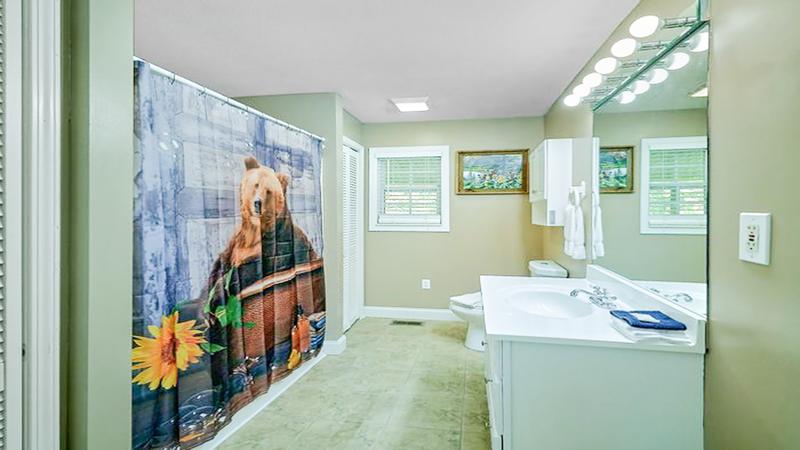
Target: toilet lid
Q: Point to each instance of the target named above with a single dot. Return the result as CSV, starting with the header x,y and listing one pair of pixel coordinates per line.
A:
x,y
471,300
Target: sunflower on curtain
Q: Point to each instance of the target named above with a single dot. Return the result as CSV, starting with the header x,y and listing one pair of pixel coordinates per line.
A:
x,y
228,274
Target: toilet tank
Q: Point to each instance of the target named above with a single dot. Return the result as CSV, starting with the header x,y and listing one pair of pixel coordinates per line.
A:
x,y
546,268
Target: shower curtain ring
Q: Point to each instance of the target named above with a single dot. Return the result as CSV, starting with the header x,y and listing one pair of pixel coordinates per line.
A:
x,y
172,81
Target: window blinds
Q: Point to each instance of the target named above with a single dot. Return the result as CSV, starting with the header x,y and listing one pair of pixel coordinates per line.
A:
x,y
678,187
410,190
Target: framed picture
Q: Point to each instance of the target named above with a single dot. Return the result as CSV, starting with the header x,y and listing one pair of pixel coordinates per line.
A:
x,y
616,170
492,172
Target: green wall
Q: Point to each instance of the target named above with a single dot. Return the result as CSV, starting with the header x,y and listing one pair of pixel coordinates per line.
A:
x,y
753,363
647,256
100,216
489,234
321,114
352,127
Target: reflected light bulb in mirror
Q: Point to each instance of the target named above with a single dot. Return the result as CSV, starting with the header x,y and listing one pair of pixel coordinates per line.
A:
x,y
624,47
606,65
640,87
572,100
677,60
581,90
657,76
626,97
593,80
699,43
644,26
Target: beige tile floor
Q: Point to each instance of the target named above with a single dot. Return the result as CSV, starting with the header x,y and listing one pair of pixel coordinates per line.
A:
x,y
395,387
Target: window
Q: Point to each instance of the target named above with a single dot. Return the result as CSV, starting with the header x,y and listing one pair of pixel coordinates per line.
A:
x,y
408,188
674,185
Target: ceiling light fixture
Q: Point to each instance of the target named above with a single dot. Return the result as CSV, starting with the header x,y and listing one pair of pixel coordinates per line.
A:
x,y
624,47
657,76
606,65
677,60
702,92
644,26
572,100
593,80
411,104
640,87
699,42
581,90
626,97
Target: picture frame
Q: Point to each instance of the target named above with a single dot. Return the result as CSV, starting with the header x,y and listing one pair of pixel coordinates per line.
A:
x,y
481,172
616,170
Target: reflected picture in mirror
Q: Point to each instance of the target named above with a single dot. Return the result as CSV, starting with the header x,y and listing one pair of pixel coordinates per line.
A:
x,y
616,170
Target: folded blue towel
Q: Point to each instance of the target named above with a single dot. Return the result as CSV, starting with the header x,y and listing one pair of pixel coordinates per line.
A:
x,y
660,321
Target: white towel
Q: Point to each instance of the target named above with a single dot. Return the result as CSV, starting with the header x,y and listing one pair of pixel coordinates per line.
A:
x,y
677,337
574,233
598,249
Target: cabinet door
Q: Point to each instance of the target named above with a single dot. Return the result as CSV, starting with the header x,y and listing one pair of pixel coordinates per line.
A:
x,y
537,162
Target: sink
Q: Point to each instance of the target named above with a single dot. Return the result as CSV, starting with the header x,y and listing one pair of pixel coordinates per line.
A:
x,y
547,303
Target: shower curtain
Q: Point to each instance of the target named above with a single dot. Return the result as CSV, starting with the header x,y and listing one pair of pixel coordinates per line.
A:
x,y
228,281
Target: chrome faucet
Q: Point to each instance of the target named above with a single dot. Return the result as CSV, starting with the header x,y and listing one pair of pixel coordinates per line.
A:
x,y
598,296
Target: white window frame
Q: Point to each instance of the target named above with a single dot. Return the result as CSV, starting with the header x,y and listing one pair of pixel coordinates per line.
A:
x,y
409,224
689,225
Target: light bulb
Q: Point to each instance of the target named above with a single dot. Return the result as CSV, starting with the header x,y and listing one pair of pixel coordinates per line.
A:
x,y
699,43
657,76
678,60
606,65
626,97
593,80
581,90
640,87
644,26
572,100
624,47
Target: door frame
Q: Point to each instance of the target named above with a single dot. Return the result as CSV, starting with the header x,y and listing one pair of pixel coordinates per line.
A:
x,y
358,304
41,219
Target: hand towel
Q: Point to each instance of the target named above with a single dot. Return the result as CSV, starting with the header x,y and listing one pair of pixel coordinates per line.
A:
x,y
598,248
574,233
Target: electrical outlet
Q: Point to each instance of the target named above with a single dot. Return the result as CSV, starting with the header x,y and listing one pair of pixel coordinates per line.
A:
x,y
755,231
426,283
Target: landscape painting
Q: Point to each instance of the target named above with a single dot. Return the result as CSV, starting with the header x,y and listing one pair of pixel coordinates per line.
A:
x,y
493,172
616,170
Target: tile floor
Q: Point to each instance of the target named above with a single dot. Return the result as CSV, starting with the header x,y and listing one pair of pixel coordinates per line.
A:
x,y
395,387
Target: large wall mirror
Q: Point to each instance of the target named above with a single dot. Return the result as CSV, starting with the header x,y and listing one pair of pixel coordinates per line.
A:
x,y
651,166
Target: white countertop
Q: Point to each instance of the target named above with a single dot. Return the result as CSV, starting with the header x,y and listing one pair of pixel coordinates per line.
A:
x,y
505,322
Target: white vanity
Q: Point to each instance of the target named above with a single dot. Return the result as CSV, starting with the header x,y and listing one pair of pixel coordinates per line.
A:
x,y
559,376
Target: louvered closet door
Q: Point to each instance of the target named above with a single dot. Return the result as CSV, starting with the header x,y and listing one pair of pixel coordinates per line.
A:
x,y
10,222
353,234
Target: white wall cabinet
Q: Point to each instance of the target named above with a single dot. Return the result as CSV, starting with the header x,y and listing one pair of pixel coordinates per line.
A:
x,y
550,179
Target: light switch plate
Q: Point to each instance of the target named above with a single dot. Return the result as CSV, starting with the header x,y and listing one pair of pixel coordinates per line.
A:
x,y
426,283
755,234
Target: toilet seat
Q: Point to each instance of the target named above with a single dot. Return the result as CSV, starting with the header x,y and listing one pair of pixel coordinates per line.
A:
x,y
472,300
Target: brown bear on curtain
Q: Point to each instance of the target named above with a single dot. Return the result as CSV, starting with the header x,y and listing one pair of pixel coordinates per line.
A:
x,y
266,281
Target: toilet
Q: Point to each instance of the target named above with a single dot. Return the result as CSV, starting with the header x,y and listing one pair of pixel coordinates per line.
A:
x,y
469,307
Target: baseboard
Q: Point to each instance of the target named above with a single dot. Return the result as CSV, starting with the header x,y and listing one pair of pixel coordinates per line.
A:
x,y
247,413
335,347
391,312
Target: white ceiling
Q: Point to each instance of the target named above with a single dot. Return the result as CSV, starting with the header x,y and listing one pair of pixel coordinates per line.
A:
x,y
473,58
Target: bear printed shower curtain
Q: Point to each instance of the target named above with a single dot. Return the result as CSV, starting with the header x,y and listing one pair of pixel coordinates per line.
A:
x,y
229,291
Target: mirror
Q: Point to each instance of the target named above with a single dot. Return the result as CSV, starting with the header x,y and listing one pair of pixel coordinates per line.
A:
x,y
651,166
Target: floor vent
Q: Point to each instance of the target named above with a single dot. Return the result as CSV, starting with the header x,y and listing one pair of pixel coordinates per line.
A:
x,y
406,322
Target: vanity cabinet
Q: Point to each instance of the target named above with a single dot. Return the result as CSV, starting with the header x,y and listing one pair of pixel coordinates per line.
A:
x,y
556,396
550,175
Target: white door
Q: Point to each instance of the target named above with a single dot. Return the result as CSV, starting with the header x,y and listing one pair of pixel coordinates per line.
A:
x,y
353,231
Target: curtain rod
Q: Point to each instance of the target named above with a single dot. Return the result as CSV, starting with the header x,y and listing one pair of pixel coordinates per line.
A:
x,y
227,100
